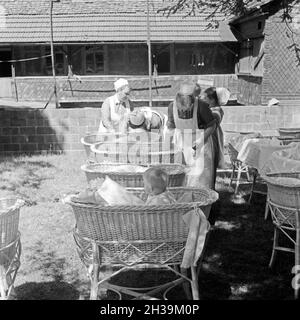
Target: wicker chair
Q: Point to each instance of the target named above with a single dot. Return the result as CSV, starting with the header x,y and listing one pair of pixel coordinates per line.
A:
x,y
10,244
284,204
134,237
176,174
238,166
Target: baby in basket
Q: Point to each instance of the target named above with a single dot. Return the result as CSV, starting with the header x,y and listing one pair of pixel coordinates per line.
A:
x,y
155,184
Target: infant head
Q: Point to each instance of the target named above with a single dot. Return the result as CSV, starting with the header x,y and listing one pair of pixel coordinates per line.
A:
x,y
155,181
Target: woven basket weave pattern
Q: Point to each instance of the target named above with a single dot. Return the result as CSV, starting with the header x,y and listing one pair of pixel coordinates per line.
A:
x,y
133,180
9,224
137,228
284,196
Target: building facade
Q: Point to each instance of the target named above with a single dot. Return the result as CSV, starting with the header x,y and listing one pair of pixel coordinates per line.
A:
x,y
269,60
99,43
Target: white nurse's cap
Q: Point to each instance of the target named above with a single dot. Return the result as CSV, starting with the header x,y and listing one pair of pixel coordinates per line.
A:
x,y
120,83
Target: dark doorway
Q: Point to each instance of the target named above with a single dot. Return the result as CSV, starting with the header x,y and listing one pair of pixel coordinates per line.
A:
x,y
161,58
5,68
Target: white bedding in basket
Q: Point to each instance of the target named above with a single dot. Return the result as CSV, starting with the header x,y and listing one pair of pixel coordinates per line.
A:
x,y
115,194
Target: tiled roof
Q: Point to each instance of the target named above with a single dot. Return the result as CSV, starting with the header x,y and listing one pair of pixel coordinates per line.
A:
x,y
97,21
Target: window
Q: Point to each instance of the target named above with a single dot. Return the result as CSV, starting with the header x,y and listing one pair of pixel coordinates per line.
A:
x,y
205,58
94,60
75,54
5,67
59,59
32,67
138,59
116,59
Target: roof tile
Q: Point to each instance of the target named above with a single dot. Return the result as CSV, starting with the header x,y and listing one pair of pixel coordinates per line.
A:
x,y
111,21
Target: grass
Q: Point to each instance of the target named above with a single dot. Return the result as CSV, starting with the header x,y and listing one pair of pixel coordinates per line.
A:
x,y
235,265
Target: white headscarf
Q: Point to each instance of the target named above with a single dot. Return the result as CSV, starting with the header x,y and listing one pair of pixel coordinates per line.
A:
x,y
223,95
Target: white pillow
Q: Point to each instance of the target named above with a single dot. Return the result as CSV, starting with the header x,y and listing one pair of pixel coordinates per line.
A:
x,y
115,194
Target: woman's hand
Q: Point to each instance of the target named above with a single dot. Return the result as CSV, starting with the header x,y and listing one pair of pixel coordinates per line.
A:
x,y
199,143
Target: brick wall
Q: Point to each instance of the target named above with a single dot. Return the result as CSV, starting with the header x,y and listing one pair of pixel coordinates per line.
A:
x,y
60,130
281,62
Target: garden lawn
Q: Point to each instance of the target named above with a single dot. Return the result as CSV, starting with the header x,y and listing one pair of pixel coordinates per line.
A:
x,y
236,260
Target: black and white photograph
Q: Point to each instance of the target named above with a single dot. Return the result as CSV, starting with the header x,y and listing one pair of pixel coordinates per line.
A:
x,y
149,150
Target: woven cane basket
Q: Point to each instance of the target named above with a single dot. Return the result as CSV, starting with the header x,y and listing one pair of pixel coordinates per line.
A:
x,y
284,194
109,138
176,173
123,232
139,154
9,224
91,139
294,132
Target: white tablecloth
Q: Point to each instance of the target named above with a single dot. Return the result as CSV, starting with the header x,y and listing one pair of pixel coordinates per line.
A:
x,y
284,161
257,152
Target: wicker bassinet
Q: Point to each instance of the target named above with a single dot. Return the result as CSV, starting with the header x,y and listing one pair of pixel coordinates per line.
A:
x,y
129,179
9,220
91,139
136,154
294,132
285,196
109,138
10,244
124,232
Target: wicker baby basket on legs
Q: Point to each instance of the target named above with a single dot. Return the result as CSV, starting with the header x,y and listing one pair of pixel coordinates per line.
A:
x,y
10,244
127,177
134,237
237,167
284,204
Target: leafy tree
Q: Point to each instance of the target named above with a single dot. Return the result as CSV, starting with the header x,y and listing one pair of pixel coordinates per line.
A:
x,y
228,8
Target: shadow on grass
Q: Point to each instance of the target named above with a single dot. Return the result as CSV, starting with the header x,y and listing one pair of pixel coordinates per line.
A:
x,y
235,265
239,250
52,290
64,284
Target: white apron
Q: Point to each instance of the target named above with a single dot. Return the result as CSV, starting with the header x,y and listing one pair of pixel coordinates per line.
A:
x,y
200,163
118,116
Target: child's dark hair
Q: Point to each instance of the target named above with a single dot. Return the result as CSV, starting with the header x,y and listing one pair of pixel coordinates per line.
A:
x,y
157,178
211,93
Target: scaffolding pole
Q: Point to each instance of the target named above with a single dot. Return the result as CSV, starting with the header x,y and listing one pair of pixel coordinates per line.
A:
x,y
149,56
52,55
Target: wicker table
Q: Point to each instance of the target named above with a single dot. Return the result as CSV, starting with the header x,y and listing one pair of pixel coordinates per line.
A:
x,y
256,152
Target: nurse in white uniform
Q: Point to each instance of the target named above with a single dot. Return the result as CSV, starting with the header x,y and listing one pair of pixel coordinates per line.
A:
x,y
115,109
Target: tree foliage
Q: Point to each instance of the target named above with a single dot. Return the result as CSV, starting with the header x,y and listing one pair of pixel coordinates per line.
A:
x,y
226,7
192,7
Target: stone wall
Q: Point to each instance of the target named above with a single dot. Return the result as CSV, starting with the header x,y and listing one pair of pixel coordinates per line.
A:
x,y
60,130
